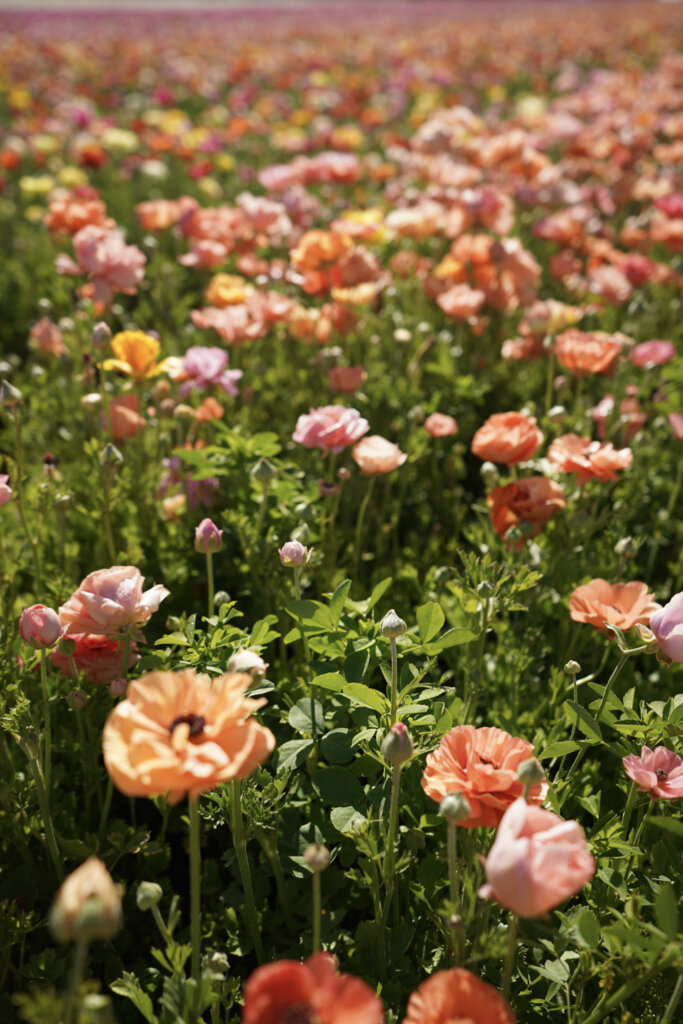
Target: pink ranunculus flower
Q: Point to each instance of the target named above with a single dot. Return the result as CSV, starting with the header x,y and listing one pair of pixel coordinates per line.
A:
x,y
675,422
658,772
537,861
204,366
40,626
207,537
375,455
667,626
653,353
330,428
293,554
5,489
104,257
98,658
440,424
111,601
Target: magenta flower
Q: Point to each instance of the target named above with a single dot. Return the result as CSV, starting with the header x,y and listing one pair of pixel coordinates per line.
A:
x,y
330,428
207,537
667,626
104,257
658,772
205,367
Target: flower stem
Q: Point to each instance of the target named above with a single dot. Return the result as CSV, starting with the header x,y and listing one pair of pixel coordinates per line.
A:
x,y
317,910
195,896
674,1001
77,972
125,655
394,680
390,853
605,694
359,526
47,755
628,809
510,955
107,519
243,862
209,580
452,846
50,838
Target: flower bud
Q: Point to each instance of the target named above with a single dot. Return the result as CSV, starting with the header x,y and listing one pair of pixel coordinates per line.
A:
x,y
110,457
557,414
264,471
40,626
572,668
101,335
397,746
87,906
317,857
489,473
148,895
306,511
118,687
247,661
293,554
392,626
96,1008
9,395
455,807
626,547
530,772
221,597
208,539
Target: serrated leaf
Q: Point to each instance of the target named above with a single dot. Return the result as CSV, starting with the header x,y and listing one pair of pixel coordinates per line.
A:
x,y
430,619
128,986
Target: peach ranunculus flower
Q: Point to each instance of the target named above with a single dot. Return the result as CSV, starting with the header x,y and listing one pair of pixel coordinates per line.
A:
x,y
179,733
88,904
227,290
658,772
588,351
619,604
537,861
136,355
46,338
123,415
312,991
440,424
482,765
455,995
375,455
461,301
111,601
330,428
590,460
533,500
508,437
347,379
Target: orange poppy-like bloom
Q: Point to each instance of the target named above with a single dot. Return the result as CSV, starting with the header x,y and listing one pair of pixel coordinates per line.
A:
x,y
227,290
181,733
619,604
125,419
72,212
590,460
588,351
318,248
456,996
136,355
508,437
482,765
535,500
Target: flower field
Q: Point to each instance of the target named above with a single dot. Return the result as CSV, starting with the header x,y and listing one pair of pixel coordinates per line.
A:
x,y
341,574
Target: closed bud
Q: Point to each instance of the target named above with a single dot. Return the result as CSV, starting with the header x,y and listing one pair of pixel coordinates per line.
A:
x,y
392,626
557,414
221,597
293,554
148,895
397,745
208,539
40,626
626,547
317,857
101,336
9,395
530,772
247,661
572,668
264,471
66,646
110,457
489,473
87,906
455,807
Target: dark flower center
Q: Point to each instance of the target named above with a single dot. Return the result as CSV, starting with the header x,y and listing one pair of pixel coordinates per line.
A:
x,y
299,1013
195,722
661,774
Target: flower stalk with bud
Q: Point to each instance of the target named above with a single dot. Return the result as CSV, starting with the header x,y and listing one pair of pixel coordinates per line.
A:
x,y
392,627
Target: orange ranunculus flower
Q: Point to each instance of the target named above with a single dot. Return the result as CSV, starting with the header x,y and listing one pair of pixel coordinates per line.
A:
x,y
456,995
317,249
125,419
535,500
210,409
73,212
508,437
482,765
588,351
590,460
136,355
181,733
619,604
227,290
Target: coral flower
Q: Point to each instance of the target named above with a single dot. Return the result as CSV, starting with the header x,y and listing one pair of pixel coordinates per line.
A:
x,y
535,500
126,421
136,355
658,772
590,460
619,604
588,351
111,601
440,424
508,437
375,455
482,764
313,991
181,733
456,996
98,658
347,379
46,338
330,428
537,861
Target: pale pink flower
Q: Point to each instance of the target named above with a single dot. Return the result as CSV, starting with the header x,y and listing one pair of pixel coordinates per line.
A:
x,y
46,338
204,367
537,861
204,254
293,554
667,625
658,772
375,455
40,626
330,428
207,537
5,489
104,257
439,424
110,601
676,424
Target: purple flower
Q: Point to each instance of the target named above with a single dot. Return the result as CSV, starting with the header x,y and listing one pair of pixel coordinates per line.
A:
x,y
667,626
205,367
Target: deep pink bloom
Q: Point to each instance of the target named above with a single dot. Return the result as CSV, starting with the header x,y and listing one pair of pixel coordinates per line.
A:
x,y
110,601
207,537
104,257
658,772
40,626
330,428
205,367
5,489
653,353
667,626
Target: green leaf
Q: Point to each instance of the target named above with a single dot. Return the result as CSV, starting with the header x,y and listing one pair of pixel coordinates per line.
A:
x,y
559,749
338,787
178,639
311,616
362,694
338,600
307,716
378,592
261,632
669,824
666,911
330,681
128,986
336,746
356,665
585,722
293,753
451,638
588,928
347,820
430,619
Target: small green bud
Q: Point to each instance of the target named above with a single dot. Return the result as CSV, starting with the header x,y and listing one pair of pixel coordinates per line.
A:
x,y
9,395
392,626
530,772
317,857
455,807
221,597
264,471
110,457
572,668
148,895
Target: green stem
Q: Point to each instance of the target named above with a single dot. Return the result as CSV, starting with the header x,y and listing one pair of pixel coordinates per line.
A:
x,y
209,580
359,526
195,896
161,925
297,596
243,862
77,972
605,694
317,910
394,680
510,955
125,656
51,839
628,810
390,852
47,757
107,518
605,1005
104,817
573,732
674,1001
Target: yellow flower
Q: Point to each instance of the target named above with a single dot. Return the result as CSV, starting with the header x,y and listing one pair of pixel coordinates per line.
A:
x,y
136,355
227,290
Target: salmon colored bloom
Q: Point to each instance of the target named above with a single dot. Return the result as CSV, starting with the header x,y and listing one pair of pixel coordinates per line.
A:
x,y
103,256
313,991
658,772
98,658
588,351
461,301
619,604
111,601
72,212
179,733
537,861
330,428
136,355
482,765
456,996
508,437
46,338
590,460
347,379
375,455
439,424
535,500
126,421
